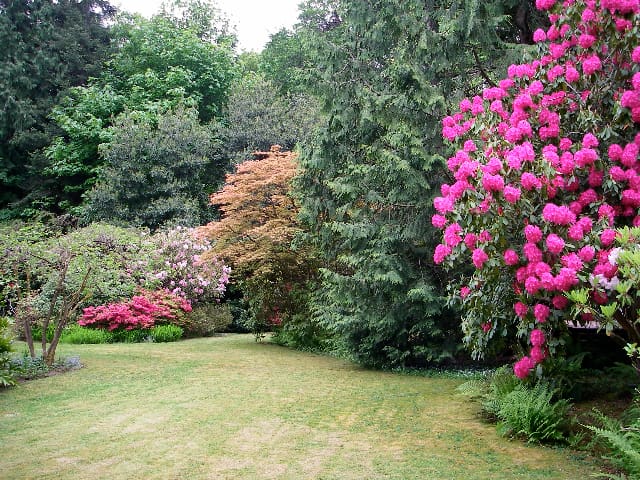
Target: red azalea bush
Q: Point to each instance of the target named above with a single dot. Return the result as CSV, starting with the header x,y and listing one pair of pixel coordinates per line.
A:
x,y
546,169
141,312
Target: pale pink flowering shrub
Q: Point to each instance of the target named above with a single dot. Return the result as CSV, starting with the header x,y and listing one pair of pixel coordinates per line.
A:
x,y
554,170
178,267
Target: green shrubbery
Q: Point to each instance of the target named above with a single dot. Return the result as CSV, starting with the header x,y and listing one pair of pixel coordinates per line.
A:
x,y
622,438
6,372
165,333
75,334
521,410
207,319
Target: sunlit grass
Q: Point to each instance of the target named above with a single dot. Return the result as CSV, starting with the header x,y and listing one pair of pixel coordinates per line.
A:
x,y
227,408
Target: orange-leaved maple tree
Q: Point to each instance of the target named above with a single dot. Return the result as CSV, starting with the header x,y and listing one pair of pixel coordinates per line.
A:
x,y
254,236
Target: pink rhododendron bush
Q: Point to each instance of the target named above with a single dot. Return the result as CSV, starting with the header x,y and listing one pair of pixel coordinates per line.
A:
x,y
183,264
546,169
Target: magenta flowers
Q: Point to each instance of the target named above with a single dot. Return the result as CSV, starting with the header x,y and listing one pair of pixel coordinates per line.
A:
x,y
548,166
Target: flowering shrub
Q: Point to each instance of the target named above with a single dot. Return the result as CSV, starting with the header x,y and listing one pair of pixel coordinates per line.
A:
x,y
141,312
546,170
623,305
179,266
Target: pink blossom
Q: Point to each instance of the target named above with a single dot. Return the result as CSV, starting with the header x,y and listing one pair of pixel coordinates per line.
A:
x,y
484,236
533,233
629,155
529,181
464,292
441,252
532,252
470,240
571,74
479,257
438,221
591,64
510,257
572,260
469,146
588,15
452,235
566,279
607,237
585,40
443,205
537,354
554,243
492,183
532,285
521,309
539,35
541,312
511,194
587,253
523,367
537,338
559,215
575,233
595,178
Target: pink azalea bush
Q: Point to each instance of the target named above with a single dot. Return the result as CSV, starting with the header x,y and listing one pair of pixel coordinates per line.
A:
x,y
143,311
547,168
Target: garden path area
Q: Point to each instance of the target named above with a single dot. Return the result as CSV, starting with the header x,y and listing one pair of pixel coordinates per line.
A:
x,y
229,408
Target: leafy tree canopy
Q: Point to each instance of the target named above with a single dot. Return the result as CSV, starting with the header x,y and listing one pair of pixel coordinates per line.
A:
x,y
47,47
161,63
154,174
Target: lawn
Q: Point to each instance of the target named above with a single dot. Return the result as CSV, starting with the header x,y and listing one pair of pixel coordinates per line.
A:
x,y
229,408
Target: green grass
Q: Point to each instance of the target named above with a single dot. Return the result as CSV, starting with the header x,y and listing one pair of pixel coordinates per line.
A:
x,y
228,408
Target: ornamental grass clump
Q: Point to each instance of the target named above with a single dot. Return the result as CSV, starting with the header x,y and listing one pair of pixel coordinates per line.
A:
x,y
546,170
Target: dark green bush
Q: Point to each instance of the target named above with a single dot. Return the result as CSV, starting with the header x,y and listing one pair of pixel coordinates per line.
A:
x,y
207,319
130,336
75,334
165,333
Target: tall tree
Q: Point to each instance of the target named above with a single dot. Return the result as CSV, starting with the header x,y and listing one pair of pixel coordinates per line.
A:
x,y
258,116
154,174
256,236
159,66
387,71
47,47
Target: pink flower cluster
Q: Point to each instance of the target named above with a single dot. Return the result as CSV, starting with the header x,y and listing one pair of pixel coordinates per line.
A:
x,y
555,193
537,354
141,312
179,268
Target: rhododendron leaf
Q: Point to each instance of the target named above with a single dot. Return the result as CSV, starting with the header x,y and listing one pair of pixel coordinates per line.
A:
x,y
609,310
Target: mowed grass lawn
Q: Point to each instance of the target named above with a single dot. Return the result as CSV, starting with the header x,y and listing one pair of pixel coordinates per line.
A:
x,y
229,408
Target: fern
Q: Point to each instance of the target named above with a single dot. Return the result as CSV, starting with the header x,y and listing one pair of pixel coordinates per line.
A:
x,y
532,413
623,441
